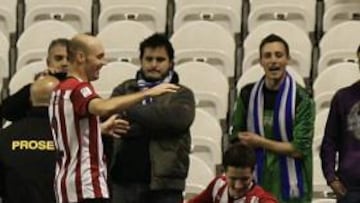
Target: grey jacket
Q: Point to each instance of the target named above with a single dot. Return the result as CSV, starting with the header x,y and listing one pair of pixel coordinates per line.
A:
x,y
165,123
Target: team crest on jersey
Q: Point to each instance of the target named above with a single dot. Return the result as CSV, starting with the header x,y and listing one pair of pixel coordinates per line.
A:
x,y
85,91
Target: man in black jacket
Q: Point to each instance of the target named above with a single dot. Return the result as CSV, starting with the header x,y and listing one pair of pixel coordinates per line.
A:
x,y
150,163
16,106
27,151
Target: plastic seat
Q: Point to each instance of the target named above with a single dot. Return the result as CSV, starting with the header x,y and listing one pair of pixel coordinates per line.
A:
x,y
319,182
199,176
255,73
76,13
320,122
25,75
193,42
210,86
121,40
226,13
341,12
7,17
112,75
300,13
206,137
151,13
299,45
339,44
4,57
324,201
341,74
34,41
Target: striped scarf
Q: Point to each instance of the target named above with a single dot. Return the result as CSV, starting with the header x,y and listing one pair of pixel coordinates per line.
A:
x,y
284,115
143,84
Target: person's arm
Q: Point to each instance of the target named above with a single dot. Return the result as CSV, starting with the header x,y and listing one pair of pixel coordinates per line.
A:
x,y
105,107
302,134
15,106
239,119
174,113
330,146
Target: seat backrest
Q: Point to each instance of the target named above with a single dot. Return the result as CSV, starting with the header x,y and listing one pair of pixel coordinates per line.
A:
x,y
34,41
25,75
226,13
4,56
324,201
194,43
320,122
150,13
206,125
341,74
121,40
339,44
343,36
299,45
76,13
199,176
113,74
329,3
208,84
339,13
255,73
206,137
300,13
323,100
7,17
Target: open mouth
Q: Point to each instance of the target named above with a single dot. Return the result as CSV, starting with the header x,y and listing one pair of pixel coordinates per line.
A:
x,y
274,68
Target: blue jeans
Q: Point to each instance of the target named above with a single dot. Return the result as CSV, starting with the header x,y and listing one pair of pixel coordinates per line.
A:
x,y
350,197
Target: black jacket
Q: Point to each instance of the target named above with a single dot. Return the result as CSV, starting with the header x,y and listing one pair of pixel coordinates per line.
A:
x,y
27,159
156,149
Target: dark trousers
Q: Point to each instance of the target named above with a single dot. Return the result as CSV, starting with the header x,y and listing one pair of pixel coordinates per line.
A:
x,y
140,193
350,197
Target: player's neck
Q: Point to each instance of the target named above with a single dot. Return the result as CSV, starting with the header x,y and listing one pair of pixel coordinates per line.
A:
x,y
79,75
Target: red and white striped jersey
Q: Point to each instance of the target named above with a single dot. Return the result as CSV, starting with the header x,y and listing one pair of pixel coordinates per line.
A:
x,y
81,168
217,192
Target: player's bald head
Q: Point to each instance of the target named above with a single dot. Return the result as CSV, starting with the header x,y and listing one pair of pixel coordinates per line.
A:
x,y
41,89
81,43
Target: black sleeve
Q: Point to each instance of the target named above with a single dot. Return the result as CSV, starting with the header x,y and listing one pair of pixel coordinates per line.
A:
x,y
173,114
15,106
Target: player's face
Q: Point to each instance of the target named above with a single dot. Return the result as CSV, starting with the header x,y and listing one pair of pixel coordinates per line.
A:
x,y
58,59
274,60
239,180
95,60
155,63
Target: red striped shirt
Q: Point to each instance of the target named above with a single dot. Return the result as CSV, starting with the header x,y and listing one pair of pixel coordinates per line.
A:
x,y
81,168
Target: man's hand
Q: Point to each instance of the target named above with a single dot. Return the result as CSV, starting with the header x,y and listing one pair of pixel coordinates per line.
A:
x,y
115,127
161,89
251,139
338,188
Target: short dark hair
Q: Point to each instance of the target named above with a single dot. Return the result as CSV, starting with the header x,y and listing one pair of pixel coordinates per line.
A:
x,y
157,40
240,156
274,38
59,41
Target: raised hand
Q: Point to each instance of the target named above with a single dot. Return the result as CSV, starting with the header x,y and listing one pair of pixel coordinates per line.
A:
x,y
115,127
